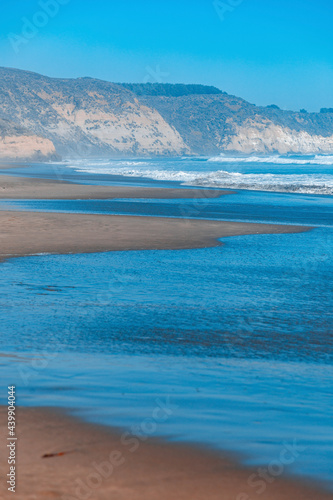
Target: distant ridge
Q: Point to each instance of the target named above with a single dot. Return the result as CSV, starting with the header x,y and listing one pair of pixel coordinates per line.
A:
x,y
87,117
170,89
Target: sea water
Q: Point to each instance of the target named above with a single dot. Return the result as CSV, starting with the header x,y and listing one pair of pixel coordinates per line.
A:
x,y
237,338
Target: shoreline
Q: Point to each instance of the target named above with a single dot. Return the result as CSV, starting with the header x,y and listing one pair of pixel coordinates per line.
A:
x,y
91,461
58,233
66,233
25,188
75,450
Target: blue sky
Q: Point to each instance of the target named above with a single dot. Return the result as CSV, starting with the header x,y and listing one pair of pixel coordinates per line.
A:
x,y
266,51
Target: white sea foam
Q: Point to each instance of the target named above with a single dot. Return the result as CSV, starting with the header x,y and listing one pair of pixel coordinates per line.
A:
x,y
311,184
186,171
274,159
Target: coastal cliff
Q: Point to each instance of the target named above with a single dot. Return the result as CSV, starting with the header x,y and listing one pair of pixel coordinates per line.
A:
x,y
86,117
215,122
18,143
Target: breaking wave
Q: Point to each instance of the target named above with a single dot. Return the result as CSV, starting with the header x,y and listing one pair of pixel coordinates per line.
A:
x,y
205,173
274,159
310,184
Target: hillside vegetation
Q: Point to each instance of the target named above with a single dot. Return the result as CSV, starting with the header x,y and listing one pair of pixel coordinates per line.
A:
x,y
89,117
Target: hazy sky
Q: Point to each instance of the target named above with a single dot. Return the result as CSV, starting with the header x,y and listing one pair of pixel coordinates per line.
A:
x,y
266,51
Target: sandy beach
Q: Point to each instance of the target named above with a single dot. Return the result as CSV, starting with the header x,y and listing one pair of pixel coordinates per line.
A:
x,y
166,250
84,461
27,233
29,189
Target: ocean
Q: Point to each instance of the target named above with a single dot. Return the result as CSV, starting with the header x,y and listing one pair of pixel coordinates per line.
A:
x,y
239,338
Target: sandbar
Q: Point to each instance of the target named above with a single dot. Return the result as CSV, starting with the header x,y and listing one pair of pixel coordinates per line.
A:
x,y
25,188
30,233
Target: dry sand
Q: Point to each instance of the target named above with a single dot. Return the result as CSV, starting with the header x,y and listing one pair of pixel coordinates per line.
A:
x,y
147,470
23,188
28,233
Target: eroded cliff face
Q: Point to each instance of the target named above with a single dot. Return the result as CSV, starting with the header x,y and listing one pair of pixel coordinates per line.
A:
x,y
27,148
17,143
86,117
213,123
257,136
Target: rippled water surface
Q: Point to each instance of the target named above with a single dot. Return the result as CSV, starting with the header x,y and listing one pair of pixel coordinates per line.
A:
x,y
238,337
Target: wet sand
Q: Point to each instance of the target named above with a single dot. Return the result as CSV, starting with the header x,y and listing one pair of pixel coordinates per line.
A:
x,y
23,188
28,233
87,461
